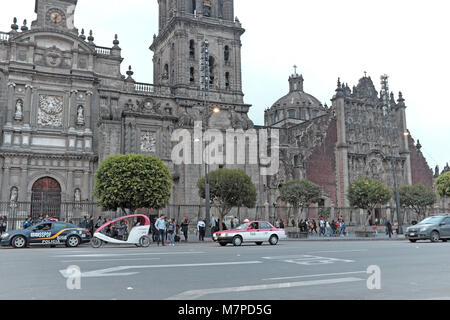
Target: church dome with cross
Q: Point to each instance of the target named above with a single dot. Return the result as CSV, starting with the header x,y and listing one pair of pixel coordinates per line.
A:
x,y
295,107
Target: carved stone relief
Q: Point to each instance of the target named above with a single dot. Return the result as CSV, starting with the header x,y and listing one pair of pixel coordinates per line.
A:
x,y
148,142
50,111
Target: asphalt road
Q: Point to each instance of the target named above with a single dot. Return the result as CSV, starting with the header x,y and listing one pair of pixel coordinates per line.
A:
x,y
292,270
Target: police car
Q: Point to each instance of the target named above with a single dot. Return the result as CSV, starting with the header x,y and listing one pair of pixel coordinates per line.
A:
x,y
47,233
252,231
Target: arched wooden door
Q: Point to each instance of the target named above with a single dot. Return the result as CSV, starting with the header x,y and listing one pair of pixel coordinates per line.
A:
x,y
46,198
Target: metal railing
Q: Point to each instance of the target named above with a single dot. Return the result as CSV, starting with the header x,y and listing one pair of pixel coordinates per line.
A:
x,y
4,36
103,50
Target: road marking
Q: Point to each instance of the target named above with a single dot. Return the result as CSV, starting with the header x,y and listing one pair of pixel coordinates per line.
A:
x,y
196,294
339,251
104,255
308,260
315,275
104,260
109,271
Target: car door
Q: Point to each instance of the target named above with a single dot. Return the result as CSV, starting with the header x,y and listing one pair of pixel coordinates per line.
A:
x,y
445,228
251,234
41,232
265,231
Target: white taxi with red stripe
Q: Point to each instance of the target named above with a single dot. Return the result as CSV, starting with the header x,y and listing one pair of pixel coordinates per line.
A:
x,y
254,231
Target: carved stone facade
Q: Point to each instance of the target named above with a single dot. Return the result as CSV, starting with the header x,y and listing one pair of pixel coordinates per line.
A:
x,y
66,107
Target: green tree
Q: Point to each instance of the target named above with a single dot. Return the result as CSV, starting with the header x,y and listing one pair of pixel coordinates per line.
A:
x,y
443,185
228,189
300,194
417,197
133,181
366,193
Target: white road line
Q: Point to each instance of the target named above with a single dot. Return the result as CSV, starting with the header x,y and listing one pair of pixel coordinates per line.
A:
x,y
109,271
338,251
104,260
196,294
314,275
100,255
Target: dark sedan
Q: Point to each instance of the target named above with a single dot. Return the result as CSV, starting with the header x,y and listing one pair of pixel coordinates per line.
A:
x,y
47,233
433,228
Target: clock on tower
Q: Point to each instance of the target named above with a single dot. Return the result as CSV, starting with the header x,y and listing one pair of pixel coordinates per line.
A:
x,y
55,14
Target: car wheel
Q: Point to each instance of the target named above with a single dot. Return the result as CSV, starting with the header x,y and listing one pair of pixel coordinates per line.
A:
x,y
73,242
434,237
259,243
413,240
237,241
223,244
273,240
444,240
19,242
96,243
144,241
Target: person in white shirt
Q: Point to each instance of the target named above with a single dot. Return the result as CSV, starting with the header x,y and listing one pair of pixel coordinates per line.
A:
x,y
201,226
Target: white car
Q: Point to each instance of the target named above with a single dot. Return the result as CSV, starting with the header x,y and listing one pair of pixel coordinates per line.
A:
x,y
253,231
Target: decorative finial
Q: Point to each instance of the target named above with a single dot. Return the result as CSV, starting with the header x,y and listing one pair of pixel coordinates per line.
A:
x,y
116,40
24,27
365,74
130,72
418,145
91,37
295,70
82,36
14,26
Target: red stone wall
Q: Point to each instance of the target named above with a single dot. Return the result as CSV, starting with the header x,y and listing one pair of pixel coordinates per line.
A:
x,y
321,166
420,171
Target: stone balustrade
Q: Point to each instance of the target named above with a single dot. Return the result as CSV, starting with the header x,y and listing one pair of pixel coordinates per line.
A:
x,y
4,36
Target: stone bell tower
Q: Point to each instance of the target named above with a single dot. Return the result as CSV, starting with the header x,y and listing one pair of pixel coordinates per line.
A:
x,y
183,26
55,14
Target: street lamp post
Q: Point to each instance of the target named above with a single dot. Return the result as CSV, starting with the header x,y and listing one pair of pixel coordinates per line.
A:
x,y
388,109
205,85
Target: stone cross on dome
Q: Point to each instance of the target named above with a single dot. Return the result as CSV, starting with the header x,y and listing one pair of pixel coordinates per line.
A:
x,y
295,69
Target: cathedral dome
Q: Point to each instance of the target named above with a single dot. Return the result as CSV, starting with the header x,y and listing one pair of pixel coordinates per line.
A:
x,y
295,107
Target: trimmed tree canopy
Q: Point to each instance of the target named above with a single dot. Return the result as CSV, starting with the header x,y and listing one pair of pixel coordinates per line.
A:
x,y
300,194
368,193
418,197
133,181
229,188
443,185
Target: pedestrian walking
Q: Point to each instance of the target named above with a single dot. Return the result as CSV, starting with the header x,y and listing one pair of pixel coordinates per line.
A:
x,y
389,228
90,225
27,223
281,224
3,225
83,222
161,227
327,229
99,222
171,228
185,228
322,227
343,228
213,224
314,226
231,223
201,226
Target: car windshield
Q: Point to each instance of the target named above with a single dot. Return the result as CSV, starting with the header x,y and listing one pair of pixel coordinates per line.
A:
x,y
242,226
431,220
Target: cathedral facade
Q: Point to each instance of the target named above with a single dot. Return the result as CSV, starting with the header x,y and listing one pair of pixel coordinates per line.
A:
x,y
65,106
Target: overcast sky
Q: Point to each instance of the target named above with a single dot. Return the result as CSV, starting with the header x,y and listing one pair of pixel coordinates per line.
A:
x,y
406,39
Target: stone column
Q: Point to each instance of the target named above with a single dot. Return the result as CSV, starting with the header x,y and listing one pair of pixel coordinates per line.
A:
x,y
6,187
72,109
23,195
87,113
27,105
341,151
11,104
237,83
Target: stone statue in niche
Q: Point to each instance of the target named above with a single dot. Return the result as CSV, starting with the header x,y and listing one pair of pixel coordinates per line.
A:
x,y
18,115
207,8
14,197
80,116
77,195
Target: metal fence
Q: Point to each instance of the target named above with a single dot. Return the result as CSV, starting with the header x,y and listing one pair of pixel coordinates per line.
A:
x,y
17,213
